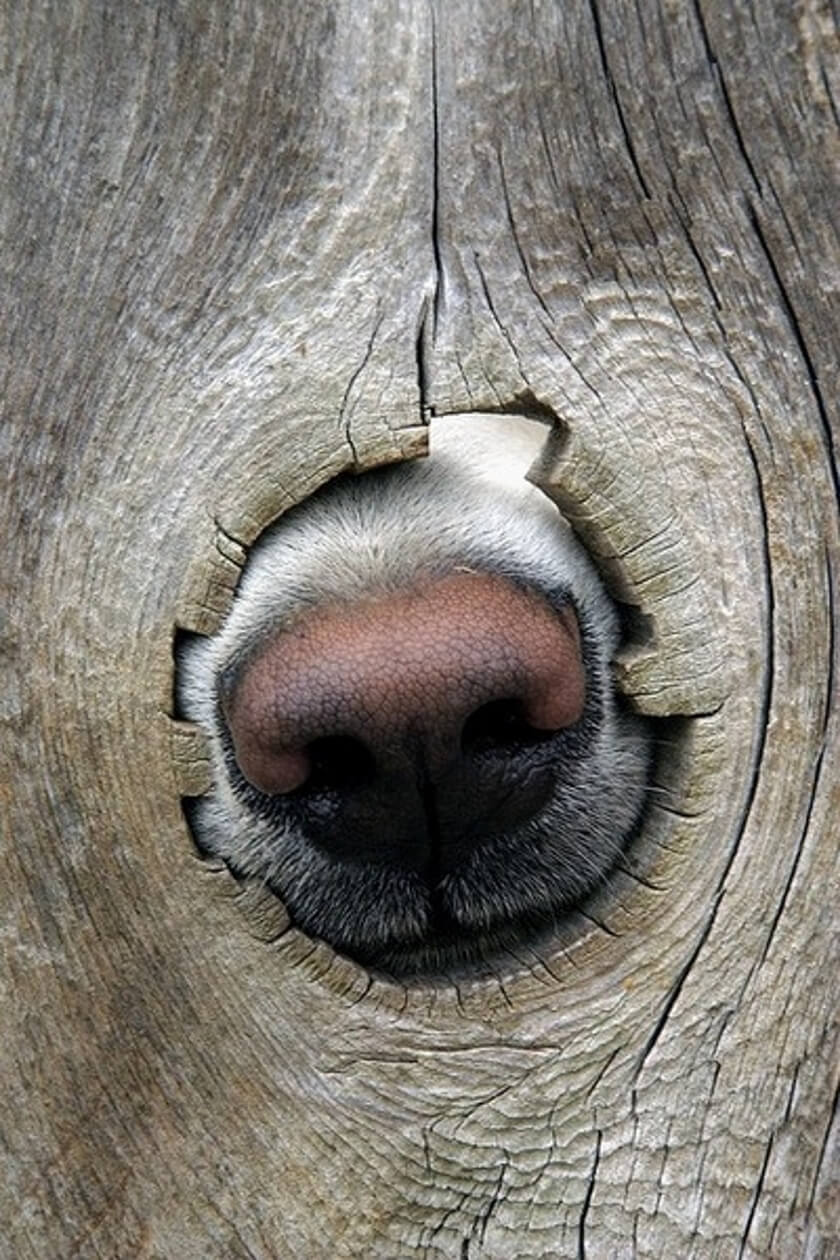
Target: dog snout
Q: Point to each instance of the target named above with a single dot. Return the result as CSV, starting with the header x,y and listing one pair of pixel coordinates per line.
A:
x,y
405,723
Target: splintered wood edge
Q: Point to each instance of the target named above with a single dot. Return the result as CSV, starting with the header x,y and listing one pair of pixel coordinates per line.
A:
x,y
631,527
210,582
190,751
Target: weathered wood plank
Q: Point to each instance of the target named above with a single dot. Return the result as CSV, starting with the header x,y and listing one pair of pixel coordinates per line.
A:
x,y
246,246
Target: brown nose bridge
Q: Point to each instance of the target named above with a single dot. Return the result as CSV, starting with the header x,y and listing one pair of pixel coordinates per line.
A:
x,y
418,660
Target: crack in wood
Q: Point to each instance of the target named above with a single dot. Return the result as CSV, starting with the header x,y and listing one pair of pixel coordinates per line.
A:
x,y
587,1201
802,345
613,89
714,64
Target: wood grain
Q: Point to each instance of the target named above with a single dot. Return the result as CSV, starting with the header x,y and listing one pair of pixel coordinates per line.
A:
x,y
249,245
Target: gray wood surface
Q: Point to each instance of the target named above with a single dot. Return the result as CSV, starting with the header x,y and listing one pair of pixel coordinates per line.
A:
x,y
245,246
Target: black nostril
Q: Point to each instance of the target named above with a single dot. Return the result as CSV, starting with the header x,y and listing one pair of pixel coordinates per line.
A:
x,y
339,763
500,724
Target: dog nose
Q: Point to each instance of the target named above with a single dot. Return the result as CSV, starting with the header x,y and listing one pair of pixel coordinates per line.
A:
x,y
409,715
